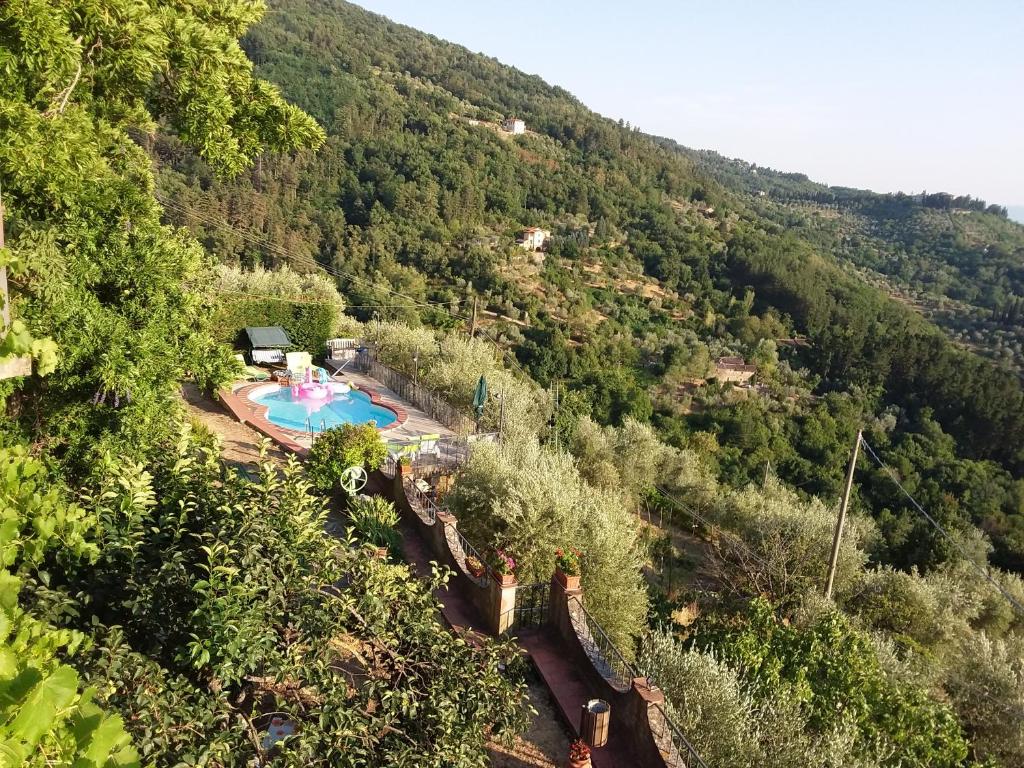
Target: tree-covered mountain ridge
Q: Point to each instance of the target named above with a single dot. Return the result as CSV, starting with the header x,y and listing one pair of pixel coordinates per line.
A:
x,y
957,259
662,260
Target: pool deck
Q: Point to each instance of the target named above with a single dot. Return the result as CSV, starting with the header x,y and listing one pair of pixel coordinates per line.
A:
x,y
410,425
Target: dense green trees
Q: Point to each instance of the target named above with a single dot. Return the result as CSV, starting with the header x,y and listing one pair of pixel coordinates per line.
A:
x,y
226,595
202,595
307,306
102,276
142,576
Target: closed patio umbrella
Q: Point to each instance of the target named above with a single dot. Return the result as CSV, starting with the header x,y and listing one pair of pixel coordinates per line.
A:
x,y
479,398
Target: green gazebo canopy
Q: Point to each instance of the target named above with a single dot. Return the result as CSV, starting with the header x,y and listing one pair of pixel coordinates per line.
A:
x,y
269,337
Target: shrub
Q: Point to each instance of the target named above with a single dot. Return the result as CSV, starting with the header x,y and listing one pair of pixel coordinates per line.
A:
x,y
339,448
832,672
534,500
987,688
503,562
568,561
375,520
308,307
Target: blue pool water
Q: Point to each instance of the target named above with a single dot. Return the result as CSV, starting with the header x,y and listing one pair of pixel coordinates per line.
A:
x,y
350,408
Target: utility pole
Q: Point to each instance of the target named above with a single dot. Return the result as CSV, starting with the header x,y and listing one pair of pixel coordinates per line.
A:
x,y
554,417
843,506
472,323
501,418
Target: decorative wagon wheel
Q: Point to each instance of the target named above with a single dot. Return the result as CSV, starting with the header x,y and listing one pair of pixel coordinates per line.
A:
x,y
353,479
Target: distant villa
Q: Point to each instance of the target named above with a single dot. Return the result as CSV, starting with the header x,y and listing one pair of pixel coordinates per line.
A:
x,y
513,125
734,369
534,238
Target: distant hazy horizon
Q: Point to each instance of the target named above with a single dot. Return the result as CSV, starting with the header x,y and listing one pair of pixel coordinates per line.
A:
x,y
889,97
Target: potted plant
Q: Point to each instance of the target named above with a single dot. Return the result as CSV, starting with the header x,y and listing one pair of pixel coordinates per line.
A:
x,y
504,567
579,755
475,567
567,567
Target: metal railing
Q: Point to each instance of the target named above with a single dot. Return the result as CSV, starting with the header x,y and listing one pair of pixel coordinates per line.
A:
x,y
420,501
446,455
389,467
606,658
676,750
415,393
461,548
531,605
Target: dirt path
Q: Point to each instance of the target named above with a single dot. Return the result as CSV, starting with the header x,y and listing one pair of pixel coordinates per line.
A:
x,y
545,743
240,443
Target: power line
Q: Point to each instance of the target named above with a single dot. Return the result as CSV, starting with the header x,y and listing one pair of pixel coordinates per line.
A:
x,y
694,513
949,537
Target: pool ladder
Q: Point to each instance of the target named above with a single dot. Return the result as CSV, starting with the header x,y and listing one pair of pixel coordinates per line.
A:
x,y
309,427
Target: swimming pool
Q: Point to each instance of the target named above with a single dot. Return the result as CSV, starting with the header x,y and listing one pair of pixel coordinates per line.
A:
x,y
303,414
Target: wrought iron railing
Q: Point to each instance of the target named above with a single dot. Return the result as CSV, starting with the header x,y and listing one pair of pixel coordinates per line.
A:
x,y
461,548
676,750
389,467
606,658
415,393
531,606
420,501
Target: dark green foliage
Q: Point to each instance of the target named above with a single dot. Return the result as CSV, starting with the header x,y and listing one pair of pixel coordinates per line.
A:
x,y
407,195
309,326
216,601
831,669
112,286
339,448
375,521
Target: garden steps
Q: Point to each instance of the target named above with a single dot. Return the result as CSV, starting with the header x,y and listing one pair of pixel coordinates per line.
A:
x,y
570,691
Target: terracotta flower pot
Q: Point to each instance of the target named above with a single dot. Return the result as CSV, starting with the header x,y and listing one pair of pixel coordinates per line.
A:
x,y
569,583
584,763
475,572
505,579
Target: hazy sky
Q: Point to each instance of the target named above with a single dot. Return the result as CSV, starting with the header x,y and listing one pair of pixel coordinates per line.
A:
x,y
904,94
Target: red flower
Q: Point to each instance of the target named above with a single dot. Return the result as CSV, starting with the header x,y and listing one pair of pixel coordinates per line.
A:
x,y
578,750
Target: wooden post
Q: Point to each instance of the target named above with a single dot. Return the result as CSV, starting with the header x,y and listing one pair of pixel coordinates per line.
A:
x,y
501,419
843,506
472,323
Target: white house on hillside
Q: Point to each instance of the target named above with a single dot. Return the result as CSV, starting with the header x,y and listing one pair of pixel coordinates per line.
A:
x,y
534,238
513,125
